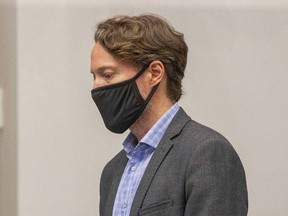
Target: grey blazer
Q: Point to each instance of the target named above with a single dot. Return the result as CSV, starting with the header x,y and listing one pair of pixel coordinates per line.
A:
x,y
194,171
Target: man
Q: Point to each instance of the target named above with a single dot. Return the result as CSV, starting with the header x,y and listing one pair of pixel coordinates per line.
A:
x,y
170,164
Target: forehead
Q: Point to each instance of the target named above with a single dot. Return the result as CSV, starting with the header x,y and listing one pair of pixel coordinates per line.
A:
x,y
100,58
100,55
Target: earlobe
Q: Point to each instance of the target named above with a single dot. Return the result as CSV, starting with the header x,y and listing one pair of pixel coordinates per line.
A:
x,y
157,71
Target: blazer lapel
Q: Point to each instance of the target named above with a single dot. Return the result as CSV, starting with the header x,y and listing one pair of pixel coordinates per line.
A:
x,y
175,127
114,187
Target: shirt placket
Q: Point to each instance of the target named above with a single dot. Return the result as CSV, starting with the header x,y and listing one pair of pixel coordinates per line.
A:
x,y
131,172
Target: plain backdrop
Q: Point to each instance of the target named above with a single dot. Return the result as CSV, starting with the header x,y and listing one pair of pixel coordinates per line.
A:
x,y
53,145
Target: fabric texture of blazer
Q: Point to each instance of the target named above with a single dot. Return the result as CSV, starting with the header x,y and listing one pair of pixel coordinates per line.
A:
x,y
194,171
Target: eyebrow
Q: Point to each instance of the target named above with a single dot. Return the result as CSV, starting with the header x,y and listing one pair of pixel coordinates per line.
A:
x,y
101,69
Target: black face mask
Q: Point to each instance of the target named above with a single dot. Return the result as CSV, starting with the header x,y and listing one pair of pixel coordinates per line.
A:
x,y
121,104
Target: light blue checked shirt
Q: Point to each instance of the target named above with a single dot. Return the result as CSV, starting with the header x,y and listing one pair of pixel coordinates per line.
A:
x,y
139,155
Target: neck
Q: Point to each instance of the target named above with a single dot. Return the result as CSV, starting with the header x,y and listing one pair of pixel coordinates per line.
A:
x,y
149,117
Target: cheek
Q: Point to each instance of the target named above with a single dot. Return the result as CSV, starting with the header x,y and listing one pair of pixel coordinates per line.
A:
x,y
143,87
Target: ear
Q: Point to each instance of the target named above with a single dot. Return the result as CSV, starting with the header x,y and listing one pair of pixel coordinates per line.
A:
x,y
157,71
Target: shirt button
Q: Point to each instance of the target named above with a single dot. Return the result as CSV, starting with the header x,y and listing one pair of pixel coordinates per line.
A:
x,y
124,205
133,168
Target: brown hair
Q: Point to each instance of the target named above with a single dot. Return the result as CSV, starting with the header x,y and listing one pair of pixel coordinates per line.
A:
x,y
143,39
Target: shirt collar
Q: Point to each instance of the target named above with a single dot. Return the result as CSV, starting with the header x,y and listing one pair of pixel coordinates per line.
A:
x,y
154,135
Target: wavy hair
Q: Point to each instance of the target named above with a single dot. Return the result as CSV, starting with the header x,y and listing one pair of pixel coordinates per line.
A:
x,y
143,39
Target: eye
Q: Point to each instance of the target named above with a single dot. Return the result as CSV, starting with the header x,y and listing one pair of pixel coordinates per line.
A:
x,y
108,75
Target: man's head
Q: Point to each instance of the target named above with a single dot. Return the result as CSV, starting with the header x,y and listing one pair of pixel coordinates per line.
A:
x,y
143,39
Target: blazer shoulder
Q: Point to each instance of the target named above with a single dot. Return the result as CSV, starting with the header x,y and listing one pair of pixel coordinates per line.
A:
x,y
182,125
202,143
201,132
210,157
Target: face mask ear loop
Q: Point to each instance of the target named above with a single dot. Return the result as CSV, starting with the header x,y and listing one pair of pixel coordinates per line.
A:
x,y
152,92
140,72
153,89
148,99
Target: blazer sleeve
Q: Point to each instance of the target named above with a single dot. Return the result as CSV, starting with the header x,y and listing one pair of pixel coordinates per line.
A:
x,y
215,181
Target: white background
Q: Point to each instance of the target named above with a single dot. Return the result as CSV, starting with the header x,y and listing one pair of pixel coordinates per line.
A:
x,y
54,145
